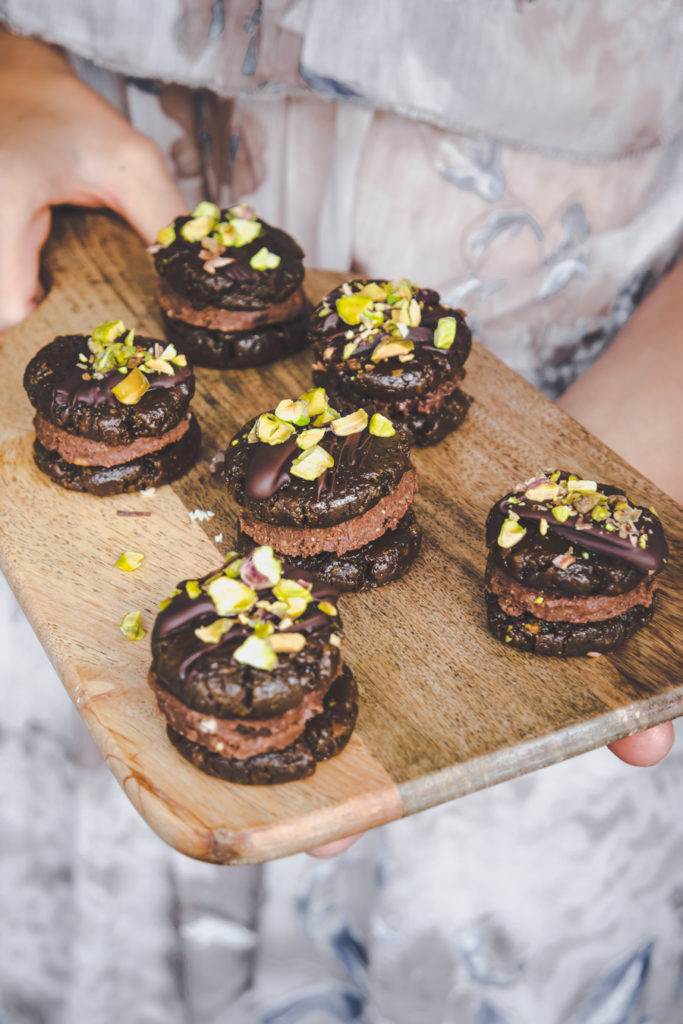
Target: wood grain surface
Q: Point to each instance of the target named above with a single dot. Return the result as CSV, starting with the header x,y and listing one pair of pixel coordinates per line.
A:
x,y
445,709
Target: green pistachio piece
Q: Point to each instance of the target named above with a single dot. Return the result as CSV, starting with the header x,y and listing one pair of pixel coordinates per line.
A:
x,y
242,211
237,232
327,416
267,564
206,209
257,652
350,307
192,589
543,527
642,540
539,600
308,438
511,532
197,228
212,633
233,566
230,596
351,424
583,486
106,333
349,348
600,513
392,347
316,401
542,492
312,463
414,313
264,259
327,609
373,291
292,412
561,513
166,236
288,643
444,335
131,626
130,560
296,597
130,390
380,426
271,430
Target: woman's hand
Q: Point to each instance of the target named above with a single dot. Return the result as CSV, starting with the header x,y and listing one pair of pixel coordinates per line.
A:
x,y
60,142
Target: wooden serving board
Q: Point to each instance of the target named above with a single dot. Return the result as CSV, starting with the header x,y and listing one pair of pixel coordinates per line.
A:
x,y
445,709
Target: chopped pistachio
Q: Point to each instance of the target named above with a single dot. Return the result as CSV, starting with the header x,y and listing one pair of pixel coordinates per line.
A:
x,y
335,640
130,390
233,566
373,291
307,438
349,349
351,424
230,596
263,628
197,228
163,605
561,513
130,560
267,564
257,652
543,527
296,597
106,333
326,416
288,643
206,209
380,426
264,259
327,608
272,430
642,540
316,401
292,412
239,232
584,486
444,335
392,347
599,513
166,236
312,463
539,600
350,307
510,534
131,626
542,492
414,313
192,589
212,633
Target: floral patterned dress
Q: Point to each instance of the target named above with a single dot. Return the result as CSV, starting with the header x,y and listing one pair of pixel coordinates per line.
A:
x,y
527,161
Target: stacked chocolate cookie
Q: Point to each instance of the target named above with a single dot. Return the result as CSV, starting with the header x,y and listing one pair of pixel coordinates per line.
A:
x,y
331,493
231,292
395,349
112,411
249,673
572,565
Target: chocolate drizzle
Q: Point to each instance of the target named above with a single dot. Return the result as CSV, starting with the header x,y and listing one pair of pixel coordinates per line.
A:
x,y
73,389
589,535
184,611
266,469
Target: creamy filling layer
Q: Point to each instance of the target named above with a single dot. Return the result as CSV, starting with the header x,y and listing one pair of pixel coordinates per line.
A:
x,y
174,305
81,451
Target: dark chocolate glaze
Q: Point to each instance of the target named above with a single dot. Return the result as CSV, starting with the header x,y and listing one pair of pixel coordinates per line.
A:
x,y
359,380
87,408
236,285
593,537
366,469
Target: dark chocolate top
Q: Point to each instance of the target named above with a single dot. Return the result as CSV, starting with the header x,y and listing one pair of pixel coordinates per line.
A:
x,y
64,386
216,269
353,470
381,339
577,536
220,659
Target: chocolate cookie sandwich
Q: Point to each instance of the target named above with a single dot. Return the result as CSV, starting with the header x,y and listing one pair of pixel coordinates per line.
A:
x,y
231,292
571,567
394,348
332,494
112,411
248,671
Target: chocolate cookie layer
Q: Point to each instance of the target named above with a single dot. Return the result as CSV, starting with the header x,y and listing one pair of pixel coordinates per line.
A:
x,y
571,567
153,470
392,355
528,633
233,283
373,565
227,350
366,470
55,384
324,736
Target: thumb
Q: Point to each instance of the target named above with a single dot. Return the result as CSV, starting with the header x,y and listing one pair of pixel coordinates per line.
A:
x,y
645,748
21,240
